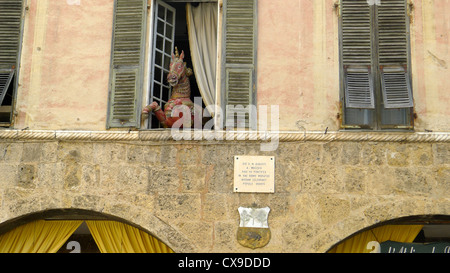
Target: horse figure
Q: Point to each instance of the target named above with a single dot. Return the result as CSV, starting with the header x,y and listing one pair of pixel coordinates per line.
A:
x,y
180,100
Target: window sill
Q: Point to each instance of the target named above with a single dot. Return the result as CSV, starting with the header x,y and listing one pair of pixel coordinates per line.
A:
x,y
167,135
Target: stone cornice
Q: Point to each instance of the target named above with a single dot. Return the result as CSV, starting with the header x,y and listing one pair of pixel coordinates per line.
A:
x,y
168,135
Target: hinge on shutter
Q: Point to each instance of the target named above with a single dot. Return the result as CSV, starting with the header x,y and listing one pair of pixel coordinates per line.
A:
x,y
410,9
337,8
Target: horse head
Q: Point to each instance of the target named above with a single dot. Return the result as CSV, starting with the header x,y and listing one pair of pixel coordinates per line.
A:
x,y
177,68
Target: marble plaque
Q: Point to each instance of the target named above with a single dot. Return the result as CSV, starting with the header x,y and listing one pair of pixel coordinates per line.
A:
x,y
254,174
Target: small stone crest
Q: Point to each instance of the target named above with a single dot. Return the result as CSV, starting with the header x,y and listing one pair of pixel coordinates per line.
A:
x,y
253,231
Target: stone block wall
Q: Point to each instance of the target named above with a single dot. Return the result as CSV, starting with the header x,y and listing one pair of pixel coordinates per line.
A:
x,y
182,192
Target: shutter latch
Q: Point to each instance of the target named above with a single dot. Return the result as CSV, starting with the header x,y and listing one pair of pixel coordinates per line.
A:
x,y
337,8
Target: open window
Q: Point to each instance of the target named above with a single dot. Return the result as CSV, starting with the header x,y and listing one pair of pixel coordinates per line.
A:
x,y
196,30
191,27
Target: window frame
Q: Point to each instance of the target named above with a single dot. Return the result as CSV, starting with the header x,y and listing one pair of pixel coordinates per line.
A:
x,y
151,53
375,115
152,34
142,85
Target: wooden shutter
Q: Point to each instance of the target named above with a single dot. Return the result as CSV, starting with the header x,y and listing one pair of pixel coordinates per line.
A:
x,y
359,88
356,52
128,48
393,46
10,24
396,86
239,58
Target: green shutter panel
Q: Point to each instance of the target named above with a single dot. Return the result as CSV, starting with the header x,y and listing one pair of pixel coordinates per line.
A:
x,y
393,45
359,89
10,23
356,54
10,36
396,87
127,61
239,58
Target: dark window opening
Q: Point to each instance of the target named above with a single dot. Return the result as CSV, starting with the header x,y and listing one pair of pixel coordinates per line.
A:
x,y
7,105
160,91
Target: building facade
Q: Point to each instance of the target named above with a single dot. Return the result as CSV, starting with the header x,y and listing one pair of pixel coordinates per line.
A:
x,y
348,97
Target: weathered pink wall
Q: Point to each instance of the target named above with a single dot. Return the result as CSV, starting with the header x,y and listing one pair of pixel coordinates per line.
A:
x,y
65,65
66,57
430,28
298,62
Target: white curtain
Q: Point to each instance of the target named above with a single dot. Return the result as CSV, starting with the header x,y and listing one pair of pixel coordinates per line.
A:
x,y
202,29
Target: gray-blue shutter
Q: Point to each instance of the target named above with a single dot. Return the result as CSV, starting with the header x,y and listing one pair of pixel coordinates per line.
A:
x,y
393,46
127,63
359,89
10,24
10,38
239,60
356,54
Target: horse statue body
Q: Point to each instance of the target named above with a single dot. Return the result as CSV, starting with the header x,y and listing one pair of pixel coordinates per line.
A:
x,y
180,101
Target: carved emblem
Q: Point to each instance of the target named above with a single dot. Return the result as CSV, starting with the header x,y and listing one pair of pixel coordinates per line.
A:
x,y
253,231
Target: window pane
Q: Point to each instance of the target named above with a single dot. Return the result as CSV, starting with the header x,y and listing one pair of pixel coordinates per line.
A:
x,y
167,61
160,27
169,16
158,57
169,30
395,116
158,74
161,12
168,48
165,94
159,42
361,117
156,90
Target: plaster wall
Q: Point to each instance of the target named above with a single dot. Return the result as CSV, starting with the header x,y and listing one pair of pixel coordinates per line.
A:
x,y
66,55
64,69
298,62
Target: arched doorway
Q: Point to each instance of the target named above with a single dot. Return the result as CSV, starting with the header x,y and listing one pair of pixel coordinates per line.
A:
x,y
74,230
415,234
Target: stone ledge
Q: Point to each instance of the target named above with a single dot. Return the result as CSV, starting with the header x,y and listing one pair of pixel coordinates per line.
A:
x,y
164,135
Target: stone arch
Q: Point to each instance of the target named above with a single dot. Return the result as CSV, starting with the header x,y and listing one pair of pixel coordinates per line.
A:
x,y
155,227
416,219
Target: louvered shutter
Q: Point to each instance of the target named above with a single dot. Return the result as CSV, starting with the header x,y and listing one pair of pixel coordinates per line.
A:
x,y
10,22
128,48
359,88
239,57
392,25
356,41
